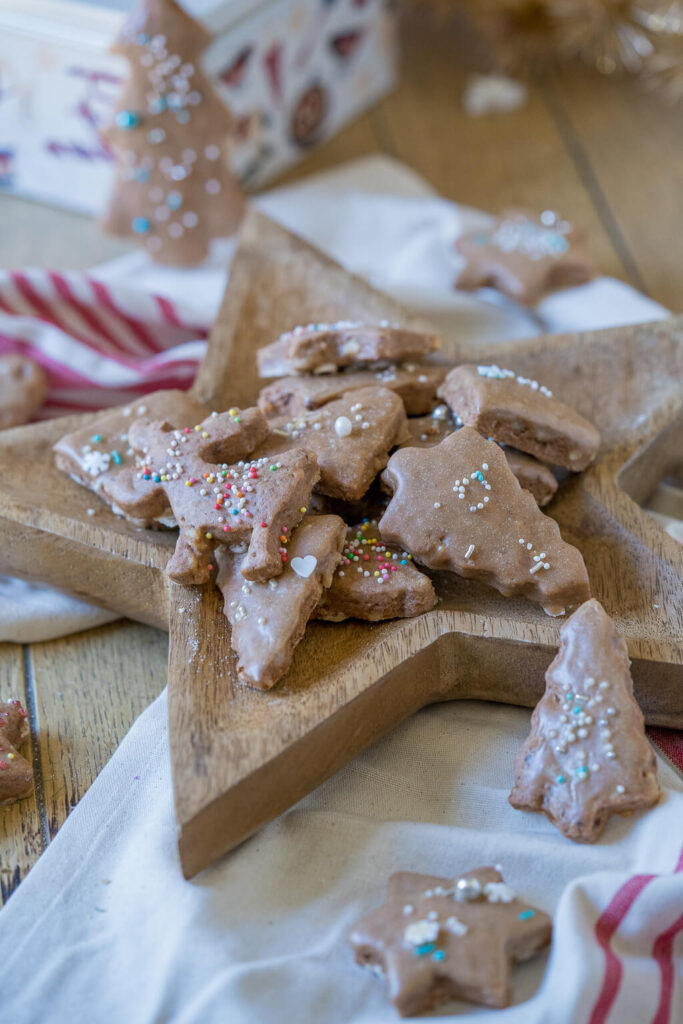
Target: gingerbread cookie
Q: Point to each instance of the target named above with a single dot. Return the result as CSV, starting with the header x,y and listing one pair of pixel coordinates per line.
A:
x,y
426,431
186,475
533,476
522,413
268,619
415,383
458,506
524,256
351,438
438,939
171,136
587,756
326,348
16,774
23,386
95,455
374,581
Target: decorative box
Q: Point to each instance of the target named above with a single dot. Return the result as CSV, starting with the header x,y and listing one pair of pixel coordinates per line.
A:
x,y
293,71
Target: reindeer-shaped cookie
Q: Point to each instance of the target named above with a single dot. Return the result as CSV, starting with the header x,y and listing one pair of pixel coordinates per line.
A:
x,y
198,476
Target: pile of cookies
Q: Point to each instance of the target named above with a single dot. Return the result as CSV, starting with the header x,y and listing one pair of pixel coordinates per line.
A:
x,y
364,468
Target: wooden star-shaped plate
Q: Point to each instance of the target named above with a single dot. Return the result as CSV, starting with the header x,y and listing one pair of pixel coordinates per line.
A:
x,y
241,757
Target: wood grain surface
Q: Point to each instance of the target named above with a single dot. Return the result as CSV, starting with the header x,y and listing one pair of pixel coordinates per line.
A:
x,y
587,145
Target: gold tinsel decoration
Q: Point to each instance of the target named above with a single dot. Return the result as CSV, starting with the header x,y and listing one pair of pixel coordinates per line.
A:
x,y
606,34
663,69
641,37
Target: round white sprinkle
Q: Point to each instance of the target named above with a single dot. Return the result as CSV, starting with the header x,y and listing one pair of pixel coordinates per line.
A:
x,y
212,152
342,426
213,186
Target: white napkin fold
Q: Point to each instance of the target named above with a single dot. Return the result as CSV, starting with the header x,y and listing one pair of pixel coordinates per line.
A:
x,y
105,929
381,220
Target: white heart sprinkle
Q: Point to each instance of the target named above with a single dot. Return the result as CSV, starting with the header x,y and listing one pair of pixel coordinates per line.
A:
x,y
304,566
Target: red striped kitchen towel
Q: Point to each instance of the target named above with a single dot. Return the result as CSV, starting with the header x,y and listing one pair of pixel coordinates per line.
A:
x,y
102,344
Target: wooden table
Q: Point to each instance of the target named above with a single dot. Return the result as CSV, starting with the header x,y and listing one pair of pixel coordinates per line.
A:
x,y
599,149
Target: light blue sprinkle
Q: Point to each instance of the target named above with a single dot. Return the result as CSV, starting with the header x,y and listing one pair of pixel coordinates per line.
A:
x,y
140,225
560,778
576,710
438,955
96,438
142,176
427,947
127,119
526,914
116,458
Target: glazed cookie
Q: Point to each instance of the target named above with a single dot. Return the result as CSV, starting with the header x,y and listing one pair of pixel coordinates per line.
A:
x,y
187,476
351,438
426,431
326,348
458,506
533,476
16,774
374,581
268,619
171,135
415,383
95,455
524,256
438,939
522,413
23,386
587,756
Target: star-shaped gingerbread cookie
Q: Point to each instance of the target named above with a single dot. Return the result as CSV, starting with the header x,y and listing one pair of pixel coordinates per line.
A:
x,y
458,506
438,939
351,438
268,619
16,774
188,476
374,581
587,756
524,256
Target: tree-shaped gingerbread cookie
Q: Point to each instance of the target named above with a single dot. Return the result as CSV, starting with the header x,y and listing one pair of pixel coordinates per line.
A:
x,y
587,756
170,135
192,475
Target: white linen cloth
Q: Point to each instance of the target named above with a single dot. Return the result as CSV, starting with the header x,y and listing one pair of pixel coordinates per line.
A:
x,y
381,220
105,929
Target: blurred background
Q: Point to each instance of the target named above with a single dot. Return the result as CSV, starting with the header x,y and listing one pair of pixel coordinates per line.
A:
x,y
568,104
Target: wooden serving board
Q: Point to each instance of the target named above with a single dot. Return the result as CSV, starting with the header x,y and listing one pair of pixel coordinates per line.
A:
x,y
240,756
